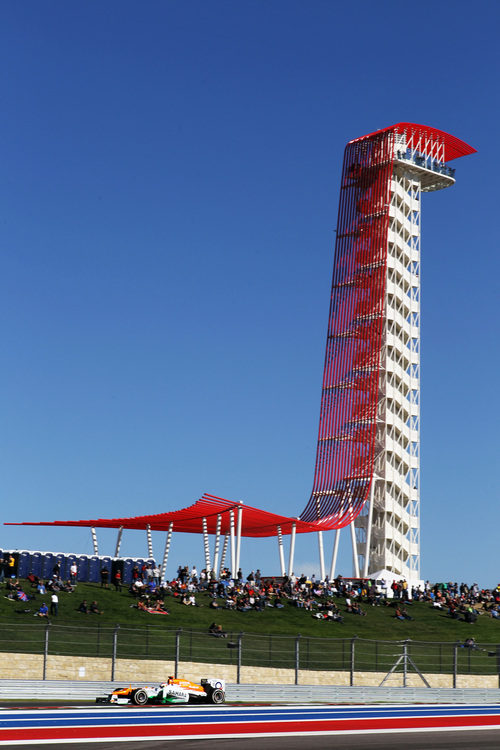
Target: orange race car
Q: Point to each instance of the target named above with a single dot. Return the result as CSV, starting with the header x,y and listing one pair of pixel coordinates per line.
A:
x,y
174,690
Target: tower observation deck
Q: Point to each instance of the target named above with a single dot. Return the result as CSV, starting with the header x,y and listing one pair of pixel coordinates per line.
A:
x,y
367,472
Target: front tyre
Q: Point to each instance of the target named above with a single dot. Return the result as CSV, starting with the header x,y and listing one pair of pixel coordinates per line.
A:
x,y
140,697
217,696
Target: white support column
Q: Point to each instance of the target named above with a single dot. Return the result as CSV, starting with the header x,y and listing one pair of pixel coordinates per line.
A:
x,y
281,552
150,542
238,536
118,541
215,567
334,554
233,550
321,556
167,548
354,550
223,555
94,541
206,545
369,529
292,549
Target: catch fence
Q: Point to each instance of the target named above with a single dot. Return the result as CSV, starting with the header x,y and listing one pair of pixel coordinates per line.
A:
x,y
238,649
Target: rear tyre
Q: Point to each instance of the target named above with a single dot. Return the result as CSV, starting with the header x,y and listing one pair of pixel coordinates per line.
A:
x,y
217,696
140,697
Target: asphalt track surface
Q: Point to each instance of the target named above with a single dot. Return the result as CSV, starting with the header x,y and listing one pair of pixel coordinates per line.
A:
x,y
448,740
318,727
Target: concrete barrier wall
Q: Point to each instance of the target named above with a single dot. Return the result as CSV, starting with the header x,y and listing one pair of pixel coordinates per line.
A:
x,y
30,667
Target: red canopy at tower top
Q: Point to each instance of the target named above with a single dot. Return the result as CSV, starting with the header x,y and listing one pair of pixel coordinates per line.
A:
x,y
453,146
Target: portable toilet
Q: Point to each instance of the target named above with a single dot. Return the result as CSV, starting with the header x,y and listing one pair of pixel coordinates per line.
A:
x,y
94,569
61,559
83,568
48,565
24,565
36,564
128,564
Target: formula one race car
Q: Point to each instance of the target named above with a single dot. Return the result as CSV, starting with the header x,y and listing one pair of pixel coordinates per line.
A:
x,y
172,691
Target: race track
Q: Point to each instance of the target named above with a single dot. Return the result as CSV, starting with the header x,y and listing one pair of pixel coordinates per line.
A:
x,y
248,725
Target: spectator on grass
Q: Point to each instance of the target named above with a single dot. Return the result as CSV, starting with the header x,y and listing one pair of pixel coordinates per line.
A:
x,y
356,610
398,614
54,604
137,587
73,573
34,580
43,611
104,577
156,575
84,607
118,580
11,566
216,630
94,608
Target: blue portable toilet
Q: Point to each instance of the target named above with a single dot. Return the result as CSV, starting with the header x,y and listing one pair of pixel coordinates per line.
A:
x,y
83,568
94,569
24,565
47,565
37,564
61,559
127,570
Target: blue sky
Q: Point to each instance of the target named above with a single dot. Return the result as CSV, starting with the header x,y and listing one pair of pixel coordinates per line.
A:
x,y
169,191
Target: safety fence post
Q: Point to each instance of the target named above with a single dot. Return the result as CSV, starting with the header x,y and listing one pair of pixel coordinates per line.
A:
x,y
45,651
455,664
353,651
297,658
238,667
115,651
405,662
177,650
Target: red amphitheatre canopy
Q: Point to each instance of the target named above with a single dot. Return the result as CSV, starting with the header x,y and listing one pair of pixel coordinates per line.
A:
x,y
254,522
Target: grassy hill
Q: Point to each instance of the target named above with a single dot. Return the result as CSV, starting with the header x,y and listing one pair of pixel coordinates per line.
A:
x,y
428,624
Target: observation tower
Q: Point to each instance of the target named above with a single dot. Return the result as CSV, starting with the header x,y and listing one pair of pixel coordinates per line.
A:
x,y
367,473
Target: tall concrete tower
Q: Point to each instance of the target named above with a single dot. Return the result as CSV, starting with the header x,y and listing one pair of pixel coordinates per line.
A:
x,y
367,473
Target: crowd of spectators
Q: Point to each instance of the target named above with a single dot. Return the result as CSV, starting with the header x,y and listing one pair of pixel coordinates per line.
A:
x,y
328,600
464,602
324,600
